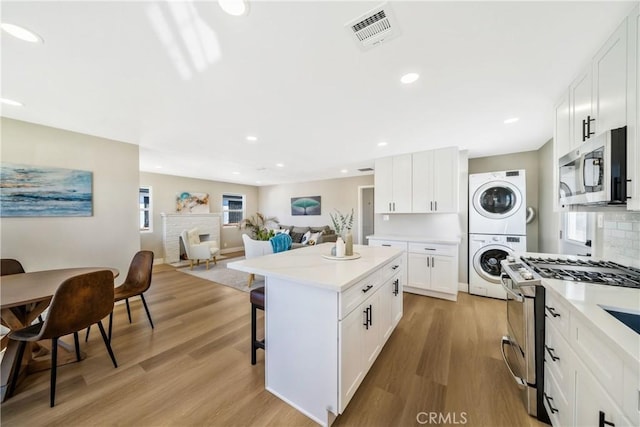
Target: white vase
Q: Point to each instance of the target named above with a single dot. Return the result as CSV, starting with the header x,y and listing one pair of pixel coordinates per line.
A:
x,y
340,247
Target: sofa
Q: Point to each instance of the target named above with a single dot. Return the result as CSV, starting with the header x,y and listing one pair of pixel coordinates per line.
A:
x,y
298,233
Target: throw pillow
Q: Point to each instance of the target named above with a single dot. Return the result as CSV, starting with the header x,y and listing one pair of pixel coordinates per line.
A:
x,y
305,237
313,239
193,236
296,237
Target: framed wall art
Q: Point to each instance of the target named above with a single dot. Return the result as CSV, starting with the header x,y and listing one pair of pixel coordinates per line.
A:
x,y
187,203
309,205
43,191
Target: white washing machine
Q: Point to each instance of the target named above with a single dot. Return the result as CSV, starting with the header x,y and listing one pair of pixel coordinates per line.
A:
x,y
498,203
485,254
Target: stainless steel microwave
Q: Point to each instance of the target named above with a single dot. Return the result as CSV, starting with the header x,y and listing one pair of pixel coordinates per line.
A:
x,y
596,172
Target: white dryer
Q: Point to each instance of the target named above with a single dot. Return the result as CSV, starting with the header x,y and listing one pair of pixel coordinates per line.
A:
x,y
498,203
485,254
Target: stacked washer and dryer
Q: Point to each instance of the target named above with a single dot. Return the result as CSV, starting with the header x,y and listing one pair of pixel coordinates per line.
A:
x,y
497,227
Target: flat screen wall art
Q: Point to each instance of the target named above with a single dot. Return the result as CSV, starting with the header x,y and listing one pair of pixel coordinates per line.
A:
x,y
44,191
309,205
187,203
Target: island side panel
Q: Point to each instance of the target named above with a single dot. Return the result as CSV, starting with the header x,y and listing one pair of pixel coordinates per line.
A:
x,y
301,330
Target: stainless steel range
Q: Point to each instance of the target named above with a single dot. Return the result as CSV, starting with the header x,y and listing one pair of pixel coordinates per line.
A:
x,y
588,271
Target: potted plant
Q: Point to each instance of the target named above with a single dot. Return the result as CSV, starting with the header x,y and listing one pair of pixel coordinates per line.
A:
x,y
257,224
341,223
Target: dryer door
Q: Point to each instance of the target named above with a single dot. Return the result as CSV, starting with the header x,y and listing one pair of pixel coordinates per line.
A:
x,y
486,261
497,200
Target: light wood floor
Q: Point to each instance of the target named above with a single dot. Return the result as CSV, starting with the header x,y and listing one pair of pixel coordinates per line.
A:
x,y
194,368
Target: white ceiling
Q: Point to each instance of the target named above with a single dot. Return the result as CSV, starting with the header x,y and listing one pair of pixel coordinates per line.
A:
x,y
188,83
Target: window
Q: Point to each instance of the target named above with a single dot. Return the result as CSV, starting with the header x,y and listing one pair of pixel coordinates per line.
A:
x,y
144,201
576,226
232,208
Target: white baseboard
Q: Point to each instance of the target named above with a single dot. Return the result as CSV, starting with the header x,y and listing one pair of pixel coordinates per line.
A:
x,y
228,250
463,287
158,261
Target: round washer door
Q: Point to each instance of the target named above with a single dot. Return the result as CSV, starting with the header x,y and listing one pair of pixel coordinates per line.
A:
x,y
486,261
497,199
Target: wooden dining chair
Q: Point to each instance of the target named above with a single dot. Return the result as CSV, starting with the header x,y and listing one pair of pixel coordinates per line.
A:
x,y
137,282
78,303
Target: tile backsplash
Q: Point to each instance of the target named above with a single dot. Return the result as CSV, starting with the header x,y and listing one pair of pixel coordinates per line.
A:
x,y
621,237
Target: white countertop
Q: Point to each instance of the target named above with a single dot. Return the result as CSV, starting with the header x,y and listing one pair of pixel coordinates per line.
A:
x,y
585,299
306,266
413,238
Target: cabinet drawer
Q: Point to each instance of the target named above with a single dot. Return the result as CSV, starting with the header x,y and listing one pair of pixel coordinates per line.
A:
x,y
389,243
394,267
356,294
603,363
558,405
558,358
556,312
433,249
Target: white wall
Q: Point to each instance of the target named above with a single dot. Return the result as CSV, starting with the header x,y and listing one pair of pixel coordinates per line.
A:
x,y
108,238
164,190
548,220
340,193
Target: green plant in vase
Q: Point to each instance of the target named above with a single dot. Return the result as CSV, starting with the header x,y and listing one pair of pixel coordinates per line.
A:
x,y
257,225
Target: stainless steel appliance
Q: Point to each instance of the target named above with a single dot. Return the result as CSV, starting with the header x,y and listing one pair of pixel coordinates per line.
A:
x,y
522,347
595,172
588,271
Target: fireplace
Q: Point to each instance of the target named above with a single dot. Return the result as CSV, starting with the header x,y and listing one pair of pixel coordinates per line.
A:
x,y
208,226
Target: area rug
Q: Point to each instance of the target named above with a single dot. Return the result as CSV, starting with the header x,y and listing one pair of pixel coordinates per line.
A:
x,y
222,275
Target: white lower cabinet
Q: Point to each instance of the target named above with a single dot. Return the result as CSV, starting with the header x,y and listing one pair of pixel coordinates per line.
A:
x,y
586,383
364,330
433,268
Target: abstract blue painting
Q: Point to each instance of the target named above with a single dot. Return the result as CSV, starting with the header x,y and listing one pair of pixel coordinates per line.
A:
x,y
44,191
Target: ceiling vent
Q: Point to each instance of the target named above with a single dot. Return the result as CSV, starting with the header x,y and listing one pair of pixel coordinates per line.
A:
x,y
366,169
374,27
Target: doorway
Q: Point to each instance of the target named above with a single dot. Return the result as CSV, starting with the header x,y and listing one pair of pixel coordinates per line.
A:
x,y
365,213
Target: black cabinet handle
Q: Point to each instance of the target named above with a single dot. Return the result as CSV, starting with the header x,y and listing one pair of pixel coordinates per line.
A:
x,y
604,422
366,318
386,245
552,311
550,351
365,290
549,400
589,132
395,267
396,286
584,130
370,315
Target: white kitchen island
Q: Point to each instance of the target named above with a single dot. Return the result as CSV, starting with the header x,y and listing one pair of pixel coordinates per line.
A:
x,y
326,321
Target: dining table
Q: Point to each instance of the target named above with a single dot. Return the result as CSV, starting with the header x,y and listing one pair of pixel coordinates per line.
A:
x,y
23,297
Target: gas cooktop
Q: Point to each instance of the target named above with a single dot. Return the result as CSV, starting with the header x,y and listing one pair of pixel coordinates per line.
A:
x,y
601,272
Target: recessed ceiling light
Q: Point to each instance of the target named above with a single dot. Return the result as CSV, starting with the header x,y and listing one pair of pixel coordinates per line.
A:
x,y
258,182
344,171
280,165
252,138
409,78
382,144
21,33
158,167
234,7
511,120
236,173
11,102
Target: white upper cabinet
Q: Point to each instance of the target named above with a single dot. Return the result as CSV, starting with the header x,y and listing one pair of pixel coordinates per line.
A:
x,y
393,184
581,112
633,112
610,83
435,181
562,130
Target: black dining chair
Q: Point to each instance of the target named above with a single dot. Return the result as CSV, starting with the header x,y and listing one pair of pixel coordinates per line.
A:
x,y
79,302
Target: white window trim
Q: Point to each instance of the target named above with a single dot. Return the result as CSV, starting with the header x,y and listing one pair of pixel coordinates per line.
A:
x,y
244,208
149,209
